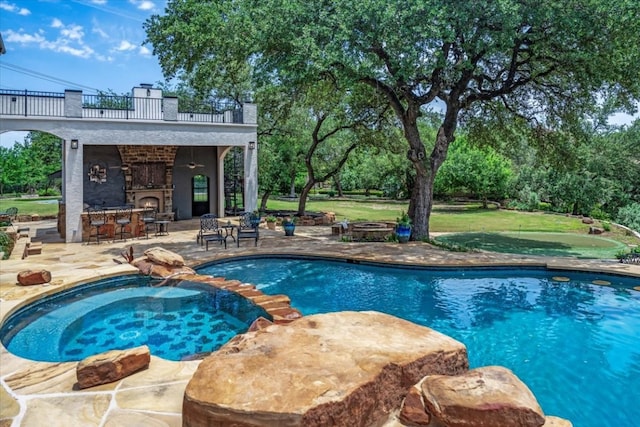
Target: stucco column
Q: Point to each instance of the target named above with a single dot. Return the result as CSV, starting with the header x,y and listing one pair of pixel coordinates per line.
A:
x,y
250,178
73,194
220,180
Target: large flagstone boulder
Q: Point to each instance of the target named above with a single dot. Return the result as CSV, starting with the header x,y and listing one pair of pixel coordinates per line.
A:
x,y
487,396
346,368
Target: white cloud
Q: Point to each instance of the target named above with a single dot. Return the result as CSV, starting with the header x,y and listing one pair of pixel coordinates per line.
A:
x,y
11,36
14,9
70,40
73,32
82,51
143,4
125,46
144,51
99,2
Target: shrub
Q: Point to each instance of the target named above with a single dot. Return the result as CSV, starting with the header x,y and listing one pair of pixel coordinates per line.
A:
x,y
598,213
6,244
623,254
630,216
450,247
606,225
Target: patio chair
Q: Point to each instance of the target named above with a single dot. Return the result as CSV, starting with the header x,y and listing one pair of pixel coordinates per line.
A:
x,y
97,219
9,217
248,229
210,231
12,213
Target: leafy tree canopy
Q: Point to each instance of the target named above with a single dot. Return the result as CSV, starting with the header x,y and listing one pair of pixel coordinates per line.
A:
x,y
542,61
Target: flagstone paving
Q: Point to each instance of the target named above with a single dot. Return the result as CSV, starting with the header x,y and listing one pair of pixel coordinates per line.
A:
x,y
39,393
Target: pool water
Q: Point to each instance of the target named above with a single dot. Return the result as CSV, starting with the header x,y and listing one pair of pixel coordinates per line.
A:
x,y
575,344
175,322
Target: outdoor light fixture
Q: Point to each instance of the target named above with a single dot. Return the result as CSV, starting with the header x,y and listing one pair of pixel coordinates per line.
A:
x,y
74,144
252,145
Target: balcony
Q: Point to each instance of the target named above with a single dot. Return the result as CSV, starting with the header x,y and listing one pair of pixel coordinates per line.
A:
x,y
74,104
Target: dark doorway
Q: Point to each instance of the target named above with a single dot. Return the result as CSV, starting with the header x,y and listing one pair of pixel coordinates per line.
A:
x,y
199,195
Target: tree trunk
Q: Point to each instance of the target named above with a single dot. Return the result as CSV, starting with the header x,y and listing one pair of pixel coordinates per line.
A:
x,y
302,203
292,190
336,180
263,201
421,202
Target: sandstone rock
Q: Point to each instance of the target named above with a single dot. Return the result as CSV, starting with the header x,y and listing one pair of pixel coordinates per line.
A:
x,y
412,412
488,396
556,422
596,230
587,220
162,256
259,324
149,268
29,277
111,366
346,368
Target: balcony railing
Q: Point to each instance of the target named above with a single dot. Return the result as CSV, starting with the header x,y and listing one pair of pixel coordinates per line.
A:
x,y
50,104
29,103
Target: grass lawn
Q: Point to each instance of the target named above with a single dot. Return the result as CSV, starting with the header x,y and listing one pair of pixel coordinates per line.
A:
x,y
45,206
536,243
445,218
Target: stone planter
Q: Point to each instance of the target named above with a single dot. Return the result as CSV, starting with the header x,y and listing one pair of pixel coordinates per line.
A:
x,y
271,225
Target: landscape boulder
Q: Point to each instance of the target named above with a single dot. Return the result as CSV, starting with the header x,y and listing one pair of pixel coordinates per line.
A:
x,y
487,396
595,230
344,368
30,277
111,366
162,256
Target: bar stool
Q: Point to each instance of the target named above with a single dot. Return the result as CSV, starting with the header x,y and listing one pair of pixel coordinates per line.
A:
x,y
97,219
123,221
149,220
162,227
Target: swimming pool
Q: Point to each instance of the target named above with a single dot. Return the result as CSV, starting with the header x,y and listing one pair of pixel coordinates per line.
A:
x,y
125,312
575,344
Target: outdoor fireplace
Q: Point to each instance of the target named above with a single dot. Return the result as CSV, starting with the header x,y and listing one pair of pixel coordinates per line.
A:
x,y
149,202
159,198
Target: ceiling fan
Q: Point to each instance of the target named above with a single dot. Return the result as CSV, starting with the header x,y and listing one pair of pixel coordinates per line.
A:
x,y
192,164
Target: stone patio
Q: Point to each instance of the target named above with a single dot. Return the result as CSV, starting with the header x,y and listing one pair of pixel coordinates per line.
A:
x,y
38,393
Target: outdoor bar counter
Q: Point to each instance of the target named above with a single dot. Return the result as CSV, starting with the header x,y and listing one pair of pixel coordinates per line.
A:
x,y
137,227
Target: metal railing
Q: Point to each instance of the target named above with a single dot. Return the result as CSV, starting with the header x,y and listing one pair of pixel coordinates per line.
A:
x,y
29,103
114,107
212,111
121,107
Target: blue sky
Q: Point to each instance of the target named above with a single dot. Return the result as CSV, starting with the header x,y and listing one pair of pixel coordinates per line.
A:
x,y
90,45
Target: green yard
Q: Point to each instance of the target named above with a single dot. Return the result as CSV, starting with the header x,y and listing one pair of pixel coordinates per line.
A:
x,y
471,226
